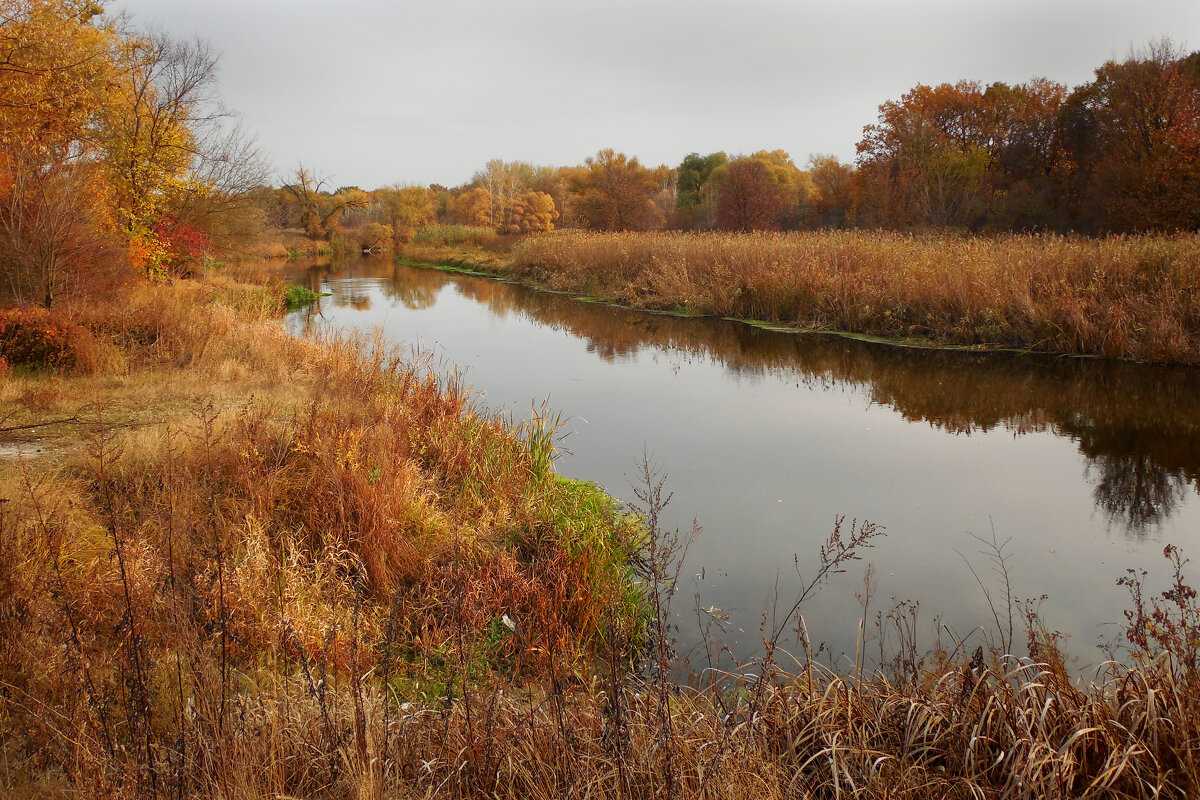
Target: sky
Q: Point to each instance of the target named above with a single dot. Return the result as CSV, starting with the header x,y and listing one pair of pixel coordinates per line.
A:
x,y
376,92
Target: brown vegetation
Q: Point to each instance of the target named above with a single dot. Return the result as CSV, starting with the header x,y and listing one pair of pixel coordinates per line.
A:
x,y
257,566
228,510
1126,297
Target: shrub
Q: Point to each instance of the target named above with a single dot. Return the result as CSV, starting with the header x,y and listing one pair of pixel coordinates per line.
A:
x,y
39,339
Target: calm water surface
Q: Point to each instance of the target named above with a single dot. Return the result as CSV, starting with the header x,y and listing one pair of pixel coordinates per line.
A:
x,y
1085,468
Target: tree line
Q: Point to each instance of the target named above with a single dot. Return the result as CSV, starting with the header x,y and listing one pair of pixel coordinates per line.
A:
x,y
1120,154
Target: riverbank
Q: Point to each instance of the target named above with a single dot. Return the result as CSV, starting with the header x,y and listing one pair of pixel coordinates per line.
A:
x,y
248,565
204,517
1120,297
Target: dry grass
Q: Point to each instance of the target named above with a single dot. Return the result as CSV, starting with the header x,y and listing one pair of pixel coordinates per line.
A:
x,y
231,507
1127,297
261,567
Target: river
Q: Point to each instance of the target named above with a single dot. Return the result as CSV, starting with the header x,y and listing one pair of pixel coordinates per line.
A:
x,y
1079,468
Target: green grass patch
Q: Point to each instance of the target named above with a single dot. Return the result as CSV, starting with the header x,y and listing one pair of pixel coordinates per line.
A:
x,y
296,296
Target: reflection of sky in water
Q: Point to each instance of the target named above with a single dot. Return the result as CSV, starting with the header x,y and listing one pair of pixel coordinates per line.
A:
x,y
766,458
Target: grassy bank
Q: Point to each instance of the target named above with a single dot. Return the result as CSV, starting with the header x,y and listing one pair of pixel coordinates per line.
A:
x,y
1123,297
207,517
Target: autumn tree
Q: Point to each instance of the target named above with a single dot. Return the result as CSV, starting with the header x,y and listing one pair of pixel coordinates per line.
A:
x,y
531,212
406,209
749,199
694,196
925,162
1132,142
56,73
833,197
473,207
319,211
1023,145
616,193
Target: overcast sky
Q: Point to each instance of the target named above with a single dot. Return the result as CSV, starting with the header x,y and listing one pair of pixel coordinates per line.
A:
x,y
374,92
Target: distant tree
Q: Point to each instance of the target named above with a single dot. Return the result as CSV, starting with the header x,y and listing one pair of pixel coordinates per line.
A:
x,y
473,207
1022,123
926,161
319,211
377,236
750,199
406,209
833,191
504,182
691,197
615,193
1132,139
531,212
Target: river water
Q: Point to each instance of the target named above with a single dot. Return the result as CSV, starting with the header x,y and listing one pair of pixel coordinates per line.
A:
x,y
1079,468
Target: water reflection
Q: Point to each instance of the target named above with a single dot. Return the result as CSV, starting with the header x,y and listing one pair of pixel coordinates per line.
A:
x,y
1137,426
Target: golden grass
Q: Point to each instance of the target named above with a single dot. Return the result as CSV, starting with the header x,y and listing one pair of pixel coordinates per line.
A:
x,y
1134,297
228,506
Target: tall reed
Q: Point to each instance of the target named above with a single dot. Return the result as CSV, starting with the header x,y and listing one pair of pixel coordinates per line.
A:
x,y
1132,297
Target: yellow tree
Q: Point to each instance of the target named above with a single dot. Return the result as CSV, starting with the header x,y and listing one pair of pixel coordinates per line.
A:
x,y
531,212
320,211
616,193
473,207
165,91
406,209
832,182
56,74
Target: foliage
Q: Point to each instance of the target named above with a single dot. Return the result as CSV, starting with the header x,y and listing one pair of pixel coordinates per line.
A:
x,y
473,208
750,200
1131,156
615,193
531,212
406,208
296,296
108,137
33,338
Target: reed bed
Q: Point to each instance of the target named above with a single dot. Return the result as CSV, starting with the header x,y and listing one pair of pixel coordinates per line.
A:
x,y
1135,297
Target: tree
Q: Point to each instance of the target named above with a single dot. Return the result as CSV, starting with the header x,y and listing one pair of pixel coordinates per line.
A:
x,y
1025,154
319,210
833,185
473,207
532,212
406,209
749,199
56,74
692,196
926,161
164,87
1132,139
174,152
615,193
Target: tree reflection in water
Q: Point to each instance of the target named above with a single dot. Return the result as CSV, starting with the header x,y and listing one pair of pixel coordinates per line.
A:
x,y
1137,425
